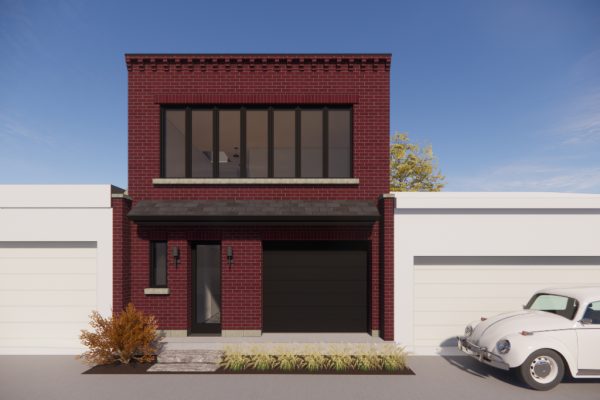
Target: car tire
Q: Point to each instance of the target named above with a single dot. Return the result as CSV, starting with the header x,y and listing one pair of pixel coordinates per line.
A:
x,y
542,370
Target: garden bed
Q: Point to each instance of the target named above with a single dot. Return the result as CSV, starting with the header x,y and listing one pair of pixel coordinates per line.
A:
x,y
387,359
117,369
136,369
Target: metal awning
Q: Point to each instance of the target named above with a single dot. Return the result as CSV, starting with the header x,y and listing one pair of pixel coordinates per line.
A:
x,y
268,212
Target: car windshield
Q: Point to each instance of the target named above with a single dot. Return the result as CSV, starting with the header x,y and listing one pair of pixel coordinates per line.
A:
x,y
553,303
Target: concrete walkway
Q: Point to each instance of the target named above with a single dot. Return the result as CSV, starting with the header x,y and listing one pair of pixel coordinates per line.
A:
x,y
455,378
218,342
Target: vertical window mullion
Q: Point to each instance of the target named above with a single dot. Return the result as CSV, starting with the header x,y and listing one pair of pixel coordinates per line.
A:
x,y
325,142
243,171
270,143
188,142
215,155
298,143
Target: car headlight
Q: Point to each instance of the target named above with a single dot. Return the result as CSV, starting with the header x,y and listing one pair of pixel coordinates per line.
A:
x,y
503,346
468,331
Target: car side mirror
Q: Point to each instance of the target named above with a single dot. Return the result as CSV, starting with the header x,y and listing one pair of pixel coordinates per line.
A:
x,y
585,321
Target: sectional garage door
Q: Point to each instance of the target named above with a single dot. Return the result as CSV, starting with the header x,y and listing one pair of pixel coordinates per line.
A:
x,y
315,287
449,292
47,291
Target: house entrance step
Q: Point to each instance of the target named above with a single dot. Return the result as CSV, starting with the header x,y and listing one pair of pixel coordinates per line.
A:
x,y
183,367
190,356
188,360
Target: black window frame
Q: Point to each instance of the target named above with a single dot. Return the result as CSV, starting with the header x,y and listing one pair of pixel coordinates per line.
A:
x,y
152,280
270,138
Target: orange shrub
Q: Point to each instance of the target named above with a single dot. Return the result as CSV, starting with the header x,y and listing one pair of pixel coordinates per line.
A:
x,y
129,335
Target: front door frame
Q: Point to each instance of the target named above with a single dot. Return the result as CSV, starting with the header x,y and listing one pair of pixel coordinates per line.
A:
x,y
195,328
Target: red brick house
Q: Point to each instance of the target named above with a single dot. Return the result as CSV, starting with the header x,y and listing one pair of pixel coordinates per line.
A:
x,y
258,194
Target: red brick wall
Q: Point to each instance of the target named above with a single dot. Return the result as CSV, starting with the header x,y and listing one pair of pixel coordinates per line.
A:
x,y
121,252
387,206
360,80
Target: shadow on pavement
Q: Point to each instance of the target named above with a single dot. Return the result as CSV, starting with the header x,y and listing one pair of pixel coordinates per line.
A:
x,y
474,367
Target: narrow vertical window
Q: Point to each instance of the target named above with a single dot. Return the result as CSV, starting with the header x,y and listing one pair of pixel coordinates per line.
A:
x,y
339,152
284,140
311,139
158,264
229,144
202,144
174,140
257,143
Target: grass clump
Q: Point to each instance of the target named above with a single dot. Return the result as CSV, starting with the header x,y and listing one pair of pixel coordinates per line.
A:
x,y
288,359
235,359
315,360
368,359
261,359
340,358
393,357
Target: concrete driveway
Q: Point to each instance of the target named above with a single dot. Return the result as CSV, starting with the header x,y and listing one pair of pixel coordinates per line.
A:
x,y
460,378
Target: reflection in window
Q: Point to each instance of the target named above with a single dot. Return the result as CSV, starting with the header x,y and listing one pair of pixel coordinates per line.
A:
x,y
271,142
257,139
284,138
229,144
174,143
202,142
311,139
339,143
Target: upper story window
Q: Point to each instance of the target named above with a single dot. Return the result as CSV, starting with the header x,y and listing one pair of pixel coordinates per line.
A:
x,y
256,142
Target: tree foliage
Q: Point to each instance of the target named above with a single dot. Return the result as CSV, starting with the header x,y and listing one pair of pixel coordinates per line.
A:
x,y
412,168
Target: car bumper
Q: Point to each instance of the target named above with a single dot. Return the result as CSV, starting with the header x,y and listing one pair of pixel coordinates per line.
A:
x,y
481,354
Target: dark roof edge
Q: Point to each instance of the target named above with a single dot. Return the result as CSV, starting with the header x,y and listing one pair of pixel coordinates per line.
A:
x,y
255,55
257,59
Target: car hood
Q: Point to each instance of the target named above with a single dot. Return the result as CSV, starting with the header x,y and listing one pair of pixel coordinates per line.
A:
x,y
487,333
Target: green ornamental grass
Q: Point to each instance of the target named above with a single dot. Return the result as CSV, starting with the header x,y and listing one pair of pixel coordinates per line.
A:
x,y
316,358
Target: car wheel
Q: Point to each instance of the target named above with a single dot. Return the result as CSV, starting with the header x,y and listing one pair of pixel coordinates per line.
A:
x,y
542,370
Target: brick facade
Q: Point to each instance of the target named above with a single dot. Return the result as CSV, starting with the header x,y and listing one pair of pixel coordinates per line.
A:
x,y
121,252
361,81
387,206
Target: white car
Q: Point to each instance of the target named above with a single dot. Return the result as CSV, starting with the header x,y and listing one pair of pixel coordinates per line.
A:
x,y
558,330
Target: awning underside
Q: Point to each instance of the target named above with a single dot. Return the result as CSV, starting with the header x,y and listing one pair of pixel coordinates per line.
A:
x,y
296,212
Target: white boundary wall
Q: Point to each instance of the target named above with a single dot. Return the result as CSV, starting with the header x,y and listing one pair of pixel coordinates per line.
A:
x,y
63,213
484,225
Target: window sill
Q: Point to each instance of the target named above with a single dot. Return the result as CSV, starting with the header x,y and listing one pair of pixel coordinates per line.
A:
x,y
255,181
157,291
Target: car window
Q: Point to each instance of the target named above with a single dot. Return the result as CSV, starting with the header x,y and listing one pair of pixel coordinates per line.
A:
x,y
552,303
592,312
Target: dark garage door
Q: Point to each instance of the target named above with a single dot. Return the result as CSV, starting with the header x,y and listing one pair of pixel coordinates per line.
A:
x,y
315,287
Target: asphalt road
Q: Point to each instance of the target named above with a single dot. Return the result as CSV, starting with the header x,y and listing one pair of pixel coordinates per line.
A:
x,y
460,378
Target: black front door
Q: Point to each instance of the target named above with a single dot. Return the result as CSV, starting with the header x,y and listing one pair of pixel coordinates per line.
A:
x,y
315,286
206,288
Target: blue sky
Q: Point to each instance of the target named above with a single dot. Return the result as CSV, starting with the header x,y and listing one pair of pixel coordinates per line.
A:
x,y
507,92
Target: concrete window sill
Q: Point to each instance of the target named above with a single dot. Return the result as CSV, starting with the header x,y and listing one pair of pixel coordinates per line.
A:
x,y
157,291
255,181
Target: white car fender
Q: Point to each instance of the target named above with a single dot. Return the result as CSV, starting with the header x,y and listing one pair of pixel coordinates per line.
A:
x,y
522,346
